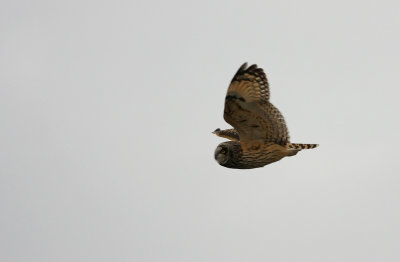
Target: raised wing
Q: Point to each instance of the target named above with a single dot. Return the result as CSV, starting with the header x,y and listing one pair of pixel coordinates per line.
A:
x,y
248,110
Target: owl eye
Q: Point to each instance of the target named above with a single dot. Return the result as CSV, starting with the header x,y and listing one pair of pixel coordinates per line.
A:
x,y
223,151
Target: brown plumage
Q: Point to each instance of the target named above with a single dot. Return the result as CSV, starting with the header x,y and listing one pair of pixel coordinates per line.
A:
x,y
231,134
260,135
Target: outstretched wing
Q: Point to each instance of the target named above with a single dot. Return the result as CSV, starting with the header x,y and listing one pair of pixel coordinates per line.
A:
x,y
248,110
230,134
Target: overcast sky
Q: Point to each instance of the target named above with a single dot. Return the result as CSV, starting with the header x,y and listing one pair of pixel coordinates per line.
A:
x,y
107,108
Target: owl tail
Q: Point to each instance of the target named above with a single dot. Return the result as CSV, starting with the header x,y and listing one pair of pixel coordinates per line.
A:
x,y
301,146
293,149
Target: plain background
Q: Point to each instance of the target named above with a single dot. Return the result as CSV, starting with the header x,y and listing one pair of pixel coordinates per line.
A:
x,y
107,108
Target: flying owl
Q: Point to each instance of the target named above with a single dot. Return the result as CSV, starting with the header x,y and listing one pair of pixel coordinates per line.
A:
x,y
260,136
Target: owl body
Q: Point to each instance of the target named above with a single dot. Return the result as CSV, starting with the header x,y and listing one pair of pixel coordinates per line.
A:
x,y
236,157
260,135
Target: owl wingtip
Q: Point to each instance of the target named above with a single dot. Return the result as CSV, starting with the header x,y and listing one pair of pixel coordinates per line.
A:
x,y
247,68
243,67
216,130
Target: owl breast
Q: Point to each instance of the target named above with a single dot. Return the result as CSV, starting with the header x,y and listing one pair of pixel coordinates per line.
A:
x,y
247,159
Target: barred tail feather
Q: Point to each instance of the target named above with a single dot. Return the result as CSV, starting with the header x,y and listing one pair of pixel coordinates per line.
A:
x,y
301,146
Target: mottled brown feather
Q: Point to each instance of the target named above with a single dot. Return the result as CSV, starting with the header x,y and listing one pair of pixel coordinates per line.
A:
x,y
230,134
248,110
301,146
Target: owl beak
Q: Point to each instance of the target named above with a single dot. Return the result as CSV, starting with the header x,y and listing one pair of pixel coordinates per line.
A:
x,y
221,159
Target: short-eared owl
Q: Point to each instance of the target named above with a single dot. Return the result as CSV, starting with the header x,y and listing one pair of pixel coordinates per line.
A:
x,y
260,136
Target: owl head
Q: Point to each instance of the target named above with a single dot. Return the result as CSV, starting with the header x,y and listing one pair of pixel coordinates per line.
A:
x,y
226,153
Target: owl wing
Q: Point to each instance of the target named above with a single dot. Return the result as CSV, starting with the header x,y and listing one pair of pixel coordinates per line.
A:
x,y
248,110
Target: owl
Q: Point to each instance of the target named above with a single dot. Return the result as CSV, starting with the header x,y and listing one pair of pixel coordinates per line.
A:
x,y
260,136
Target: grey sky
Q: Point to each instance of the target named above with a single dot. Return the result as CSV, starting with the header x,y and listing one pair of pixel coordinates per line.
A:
x,y
107,108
